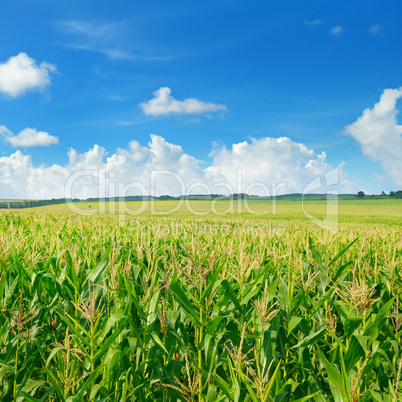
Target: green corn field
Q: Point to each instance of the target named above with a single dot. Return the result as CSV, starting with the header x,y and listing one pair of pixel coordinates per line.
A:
x,y
218,308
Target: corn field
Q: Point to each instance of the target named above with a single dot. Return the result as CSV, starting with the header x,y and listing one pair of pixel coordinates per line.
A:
x,y
167,309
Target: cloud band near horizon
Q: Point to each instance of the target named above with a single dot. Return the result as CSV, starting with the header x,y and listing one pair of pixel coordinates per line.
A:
x,y
255,166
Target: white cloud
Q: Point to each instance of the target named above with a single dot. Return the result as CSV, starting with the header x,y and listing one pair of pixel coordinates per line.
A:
x,y
21,73
312,23
271,161
111,39
164,104
375,29
14,173
29,137
337,31
379,134
102,38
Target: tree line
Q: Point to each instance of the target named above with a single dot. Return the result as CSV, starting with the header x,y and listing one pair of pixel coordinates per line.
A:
x,y
19,204
34,203
392,194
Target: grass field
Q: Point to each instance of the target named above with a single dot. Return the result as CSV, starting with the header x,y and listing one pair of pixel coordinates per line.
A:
x,y
201,307
281,208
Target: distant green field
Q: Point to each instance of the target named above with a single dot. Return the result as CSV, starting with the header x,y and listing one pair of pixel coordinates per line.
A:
x,y
386,210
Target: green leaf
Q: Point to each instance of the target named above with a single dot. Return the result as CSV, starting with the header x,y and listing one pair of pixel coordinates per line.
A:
x,y
342,270
212,283
258,284
283,295
319,304
52,378
335,379
376,325
211,395
223,386
210,329
251,392
115,317
271,382
351,323
268,345
308,340
98,270
186,304
354,353
280,397
95,389
28,397
54,351
307,398
110,359
70,273
293,323
108,342
229,292
73,329
158,341
316,256
55,384
342,252
88,382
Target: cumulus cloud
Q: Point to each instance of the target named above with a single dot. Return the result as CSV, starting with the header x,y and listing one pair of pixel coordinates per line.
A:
x,y
270,161
29,137
254,166
379,134
337,31
163,104
20,74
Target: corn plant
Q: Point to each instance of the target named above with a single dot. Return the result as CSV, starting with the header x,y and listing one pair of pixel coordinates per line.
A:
x,y
93,310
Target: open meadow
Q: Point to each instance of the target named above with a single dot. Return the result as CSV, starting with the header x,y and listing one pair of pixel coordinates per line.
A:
x,y
201,302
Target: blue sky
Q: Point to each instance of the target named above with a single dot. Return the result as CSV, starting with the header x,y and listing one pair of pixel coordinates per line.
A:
x,y
85,75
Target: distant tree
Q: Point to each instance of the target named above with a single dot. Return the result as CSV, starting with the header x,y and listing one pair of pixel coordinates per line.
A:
x,y
392,194
361,194
398,194
383,193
